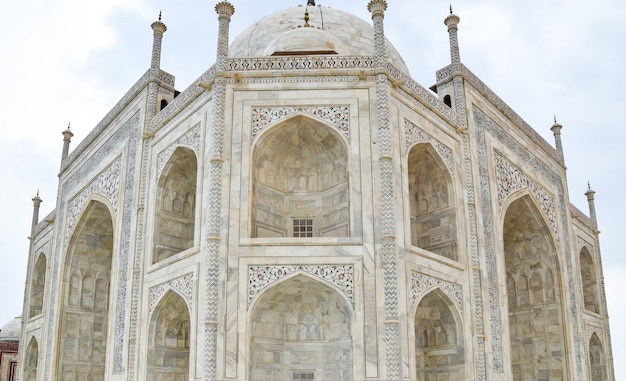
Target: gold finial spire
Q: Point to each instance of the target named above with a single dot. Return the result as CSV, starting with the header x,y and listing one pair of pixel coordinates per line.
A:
x,y
306,18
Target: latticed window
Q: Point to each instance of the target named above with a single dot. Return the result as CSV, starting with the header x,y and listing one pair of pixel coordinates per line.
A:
x,y
303,375
303,228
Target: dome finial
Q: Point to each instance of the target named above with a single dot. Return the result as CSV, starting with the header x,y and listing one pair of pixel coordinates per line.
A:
x,y
306,19
159,15
451,9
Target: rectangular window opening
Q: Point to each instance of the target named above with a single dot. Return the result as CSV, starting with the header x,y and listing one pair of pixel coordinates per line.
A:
x,y
302,227
303,376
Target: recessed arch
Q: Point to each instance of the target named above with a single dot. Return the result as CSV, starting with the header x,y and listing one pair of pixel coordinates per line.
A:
x,y
31,360
535,311
300,325
439,344
597,359
169,339
37,286
431,202
86,289
589,281
299,186
175,205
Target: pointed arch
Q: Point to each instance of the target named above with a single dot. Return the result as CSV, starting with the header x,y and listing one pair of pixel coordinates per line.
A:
x,y
37,286
597,359
83,326
589,281
535,311
31,359
297,321
439,346
299,186
431,202
175,205
169,339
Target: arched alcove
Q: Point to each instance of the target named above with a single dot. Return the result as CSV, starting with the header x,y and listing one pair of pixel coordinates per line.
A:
x,y
85,308
31,358
597,362
300,182
175,205
431,202
37,285
168,347
439,348
589,281
534,309
301,329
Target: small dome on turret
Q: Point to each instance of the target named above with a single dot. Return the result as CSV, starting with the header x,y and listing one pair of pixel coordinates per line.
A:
x,y
329,31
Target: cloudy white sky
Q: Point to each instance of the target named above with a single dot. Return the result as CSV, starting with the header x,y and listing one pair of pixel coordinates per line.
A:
x,y
71,60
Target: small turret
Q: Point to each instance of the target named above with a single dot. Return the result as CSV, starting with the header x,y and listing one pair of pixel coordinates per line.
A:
x,y
592,206
224,10
67,138
556,130
36,203
452,22
159,28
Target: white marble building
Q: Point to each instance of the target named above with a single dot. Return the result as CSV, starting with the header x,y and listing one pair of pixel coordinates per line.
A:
x,y
307,211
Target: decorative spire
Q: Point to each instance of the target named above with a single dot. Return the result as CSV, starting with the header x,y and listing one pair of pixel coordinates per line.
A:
x,y
159,28
452,22
67,138
306,19
224,10
36,203
592,205
556,130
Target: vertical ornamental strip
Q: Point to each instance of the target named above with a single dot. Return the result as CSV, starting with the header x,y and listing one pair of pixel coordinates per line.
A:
x,y
388,250
216,149
460,106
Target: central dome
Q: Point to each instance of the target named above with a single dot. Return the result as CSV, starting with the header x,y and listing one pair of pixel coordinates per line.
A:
x,y
330,31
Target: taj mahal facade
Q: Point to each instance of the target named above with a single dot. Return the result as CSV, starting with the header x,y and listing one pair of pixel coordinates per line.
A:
x,y
306,211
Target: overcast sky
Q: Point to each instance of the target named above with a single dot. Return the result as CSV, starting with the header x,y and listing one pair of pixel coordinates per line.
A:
x,y
72,60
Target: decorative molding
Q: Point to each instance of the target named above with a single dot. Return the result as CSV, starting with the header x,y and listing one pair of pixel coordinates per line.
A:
x,y
260,277
511,179
300,63
185,285
191,139
414,134
581,242
338,116
590,330
421,284
106,184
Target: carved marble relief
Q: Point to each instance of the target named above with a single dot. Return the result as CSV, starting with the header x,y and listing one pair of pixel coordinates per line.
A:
x,y
260,277
414,134
184,285
421,284
337,116
190,139
106,184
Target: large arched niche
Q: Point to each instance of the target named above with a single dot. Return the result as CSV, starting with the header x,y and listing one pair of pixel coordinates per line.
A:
x,y
589,281
85,308
597,362
301,328
175,206
37,286
535,311
439,344
31,359
431,202
168,346
299,186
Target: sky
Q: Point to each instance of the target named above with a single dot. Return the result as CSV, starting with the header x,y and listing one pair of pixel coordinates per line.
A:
x,y
70,61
